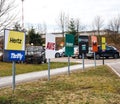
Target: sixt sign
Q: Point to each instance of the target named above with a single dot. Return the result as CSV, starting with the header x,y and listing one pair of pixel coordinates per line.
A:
x,y
16,55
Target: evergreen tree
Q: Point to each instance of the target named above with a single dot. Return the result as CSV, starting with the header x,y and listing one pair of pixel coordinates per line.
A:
x,y
34,37
72,30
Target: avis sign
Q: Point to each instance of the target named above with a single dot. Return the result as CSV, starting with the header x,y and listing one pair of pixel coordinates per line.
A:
x,y
14,48
50,46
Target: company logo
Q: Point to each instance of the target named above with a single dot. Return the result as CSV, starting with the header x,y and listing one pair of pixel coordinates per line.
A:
x,y
50,46
69,44
14,40
16,56
82,40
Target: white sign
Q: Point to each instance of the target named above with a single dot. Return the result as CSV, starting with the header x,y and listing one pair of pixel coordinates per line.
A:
x,y
50,46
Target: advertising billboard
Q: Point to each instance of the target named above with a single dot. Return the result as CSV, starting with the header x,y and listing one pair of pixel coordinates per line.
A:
x,y
94,43
14,45
50,46
83,44
69,44
103,43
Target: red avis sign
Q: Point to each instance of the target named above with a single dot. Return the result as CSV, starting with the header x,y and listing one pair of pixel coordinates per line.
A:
x,y
50,46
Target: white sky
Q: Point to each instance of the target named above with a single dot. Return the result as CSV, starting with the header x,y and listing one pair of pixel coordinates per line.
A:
x,y
47,11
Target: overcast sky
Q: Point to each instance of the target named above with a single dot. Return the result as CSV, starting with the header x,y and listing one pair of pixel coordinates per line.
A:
x,y
47,11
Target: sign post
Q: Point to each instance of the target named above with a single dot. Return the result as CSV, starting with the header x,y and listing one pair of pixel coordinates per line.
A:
x,y
69,48
94,47
49,69
13,73
83,61
14,49
50,50
83,46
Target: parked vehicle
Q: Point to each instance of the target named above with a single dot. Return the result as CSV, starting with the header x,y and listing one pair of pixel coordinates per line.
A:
x,y
109,52
1,54
60,52
76,53
35,54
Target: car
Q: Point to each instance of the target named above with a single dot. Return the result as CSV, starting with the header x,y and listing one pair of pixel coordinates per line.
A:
x,y
109,52
60,52
35,54
76,53
1,54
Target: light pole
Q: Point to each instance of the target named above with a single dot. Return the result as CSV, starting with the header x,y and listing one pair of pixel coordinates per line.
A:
x,y
22,15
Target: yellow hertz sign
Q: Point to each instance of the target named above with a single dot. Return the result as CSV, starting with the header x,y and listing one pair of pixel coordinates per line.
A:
x,y
14,40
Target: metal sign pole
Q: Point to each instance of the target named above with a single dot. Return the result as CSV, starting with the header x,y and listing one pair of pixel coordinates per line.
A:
x,y
68,65
49,69
13,73
95,59
83,60
103,58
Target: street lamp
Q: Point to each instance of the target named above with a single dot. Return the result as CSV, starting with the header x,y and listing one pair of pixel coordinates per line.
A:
x,y
22,15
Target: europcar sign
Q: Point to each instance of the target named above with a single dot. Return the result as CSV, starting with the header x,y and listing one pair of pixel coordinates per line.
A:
x,y
14,46
69,44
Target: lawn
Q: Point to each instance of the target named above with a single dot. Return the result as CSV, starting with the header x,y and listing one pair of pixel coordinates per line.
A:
x,y
92,86
6,68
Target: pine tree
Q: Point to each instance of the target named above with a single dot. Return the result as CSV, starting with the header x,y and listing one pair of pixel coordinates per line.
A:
x,y
34,37
72,30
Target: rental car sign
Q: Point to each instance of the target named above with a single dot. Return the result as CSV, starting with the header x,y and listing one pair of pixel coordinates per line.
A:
x,y
14,48
50,46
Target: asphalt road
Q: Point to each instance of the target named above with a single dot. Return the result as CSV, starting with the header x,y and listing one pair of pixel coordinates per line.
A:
x,y
86,61
115,67
113,63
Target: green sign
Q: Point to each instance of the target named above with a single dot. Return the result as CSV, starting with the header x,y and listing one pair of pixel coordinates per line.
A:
x,y
69,44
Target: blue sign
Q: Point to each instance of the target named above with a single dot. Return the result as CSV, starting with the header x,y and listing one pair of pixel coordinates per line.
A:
x,y
16,55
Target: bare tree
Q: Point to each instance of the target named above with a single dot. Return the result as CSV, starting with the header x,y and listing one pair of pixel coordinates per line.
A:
x,y
98,23
63,23
114,24
6,13
79,27
41,28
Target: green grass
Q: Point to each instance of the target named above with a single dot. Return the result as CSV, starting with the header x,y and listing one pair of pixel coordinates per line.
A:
x,y
6,68
93,86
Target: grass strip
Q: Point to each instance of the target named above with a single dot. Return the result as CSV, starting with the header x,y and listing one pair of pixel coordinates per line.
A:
x,y
6,68
93,86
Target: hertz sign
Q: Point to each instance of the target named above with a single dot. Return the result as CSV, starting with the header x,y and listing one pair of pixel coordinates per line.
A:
x,y
14,48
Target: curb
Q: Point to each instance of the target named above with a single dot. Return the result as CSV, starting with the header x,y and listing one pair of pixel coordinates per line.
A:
x,y
118,74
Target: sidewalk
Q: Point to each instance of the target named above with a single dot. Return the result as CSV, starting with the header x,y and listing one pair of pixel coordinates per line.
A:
x,y
7,81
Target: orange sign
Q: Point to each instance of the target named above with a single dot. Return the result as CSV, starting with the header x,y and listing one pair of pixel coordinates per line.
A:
x,y
94,43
